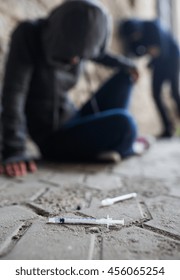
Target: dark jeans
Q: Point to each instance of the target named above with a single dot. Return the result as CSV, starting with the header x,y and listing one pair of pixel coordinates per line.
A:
x,y
102,124
172,76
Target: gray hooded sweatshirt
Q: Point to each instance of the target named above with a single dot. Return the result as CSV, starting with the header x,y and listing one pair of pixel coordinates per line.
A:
x,y
38,73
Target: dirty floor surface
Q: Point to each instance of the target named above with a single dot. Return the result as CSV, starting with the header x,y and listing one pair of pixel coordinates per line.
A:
x,y
152,219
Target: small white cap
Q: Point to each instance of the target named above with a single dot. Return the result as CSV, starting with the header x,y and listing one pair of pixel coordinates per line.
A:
x,y
51,220
107,202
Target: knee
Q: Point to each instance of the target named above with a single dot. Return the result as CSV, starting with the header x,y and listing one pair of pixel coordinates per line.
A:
x,y
124,122
125,131
130,124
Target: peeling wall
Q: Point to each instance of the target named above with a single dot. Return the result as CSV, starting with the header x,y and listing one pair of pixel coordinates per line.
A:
x,y
13,11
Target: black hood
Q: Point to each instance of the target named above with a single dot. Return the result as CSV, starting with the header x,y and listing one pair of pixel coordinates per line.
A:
x,y
127,30
130,26
76,28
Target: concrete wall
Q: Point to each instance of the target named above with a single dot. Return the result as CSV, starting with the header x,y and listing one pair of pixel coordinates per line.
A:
x,y
176,18
13,11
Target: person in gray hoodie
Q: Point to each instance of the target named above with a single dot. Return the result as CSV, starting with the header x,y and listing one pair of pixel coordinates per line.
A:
x,y
45,60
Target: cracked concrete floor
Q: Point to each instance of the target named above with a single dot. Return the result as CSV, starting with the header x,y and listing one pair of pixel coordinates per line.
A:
x,y
152,219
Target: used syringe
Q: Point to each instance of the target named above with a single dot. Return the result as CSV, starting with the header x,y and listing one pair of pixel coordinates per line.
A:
x,y
110,201
90,221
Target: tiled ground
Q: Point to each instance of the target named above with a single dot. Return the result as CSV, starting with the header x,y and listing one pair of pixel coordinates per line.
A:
x,y
152,219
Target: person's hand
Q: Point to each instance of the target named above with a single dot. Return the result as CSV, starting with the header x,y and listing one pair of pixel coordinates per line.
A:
x,y
18,169
134,73
154,51
129,67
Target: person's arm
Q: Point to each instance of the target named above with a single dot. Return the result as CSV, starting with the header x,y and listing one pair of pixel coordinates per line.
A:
x,y
114,61
15,88
118,61
155,39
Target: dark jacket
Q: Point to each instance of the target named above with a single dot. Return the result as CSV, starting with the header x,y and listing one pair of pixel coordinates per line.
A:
x,y
152,34
38,74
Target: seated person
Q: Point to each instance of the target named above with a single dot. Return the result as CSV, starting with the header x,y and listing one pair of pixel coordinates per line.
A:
x,y
45,61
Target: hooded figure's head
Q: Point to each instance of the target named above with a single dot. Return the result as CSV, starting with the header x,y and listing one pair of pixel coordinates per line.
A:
x,y
131,32
127,28
77,28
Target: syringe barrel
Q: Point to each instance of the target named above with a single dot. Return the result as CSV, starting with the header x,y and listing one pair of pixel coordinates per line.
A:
x,y
88,221
69,220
